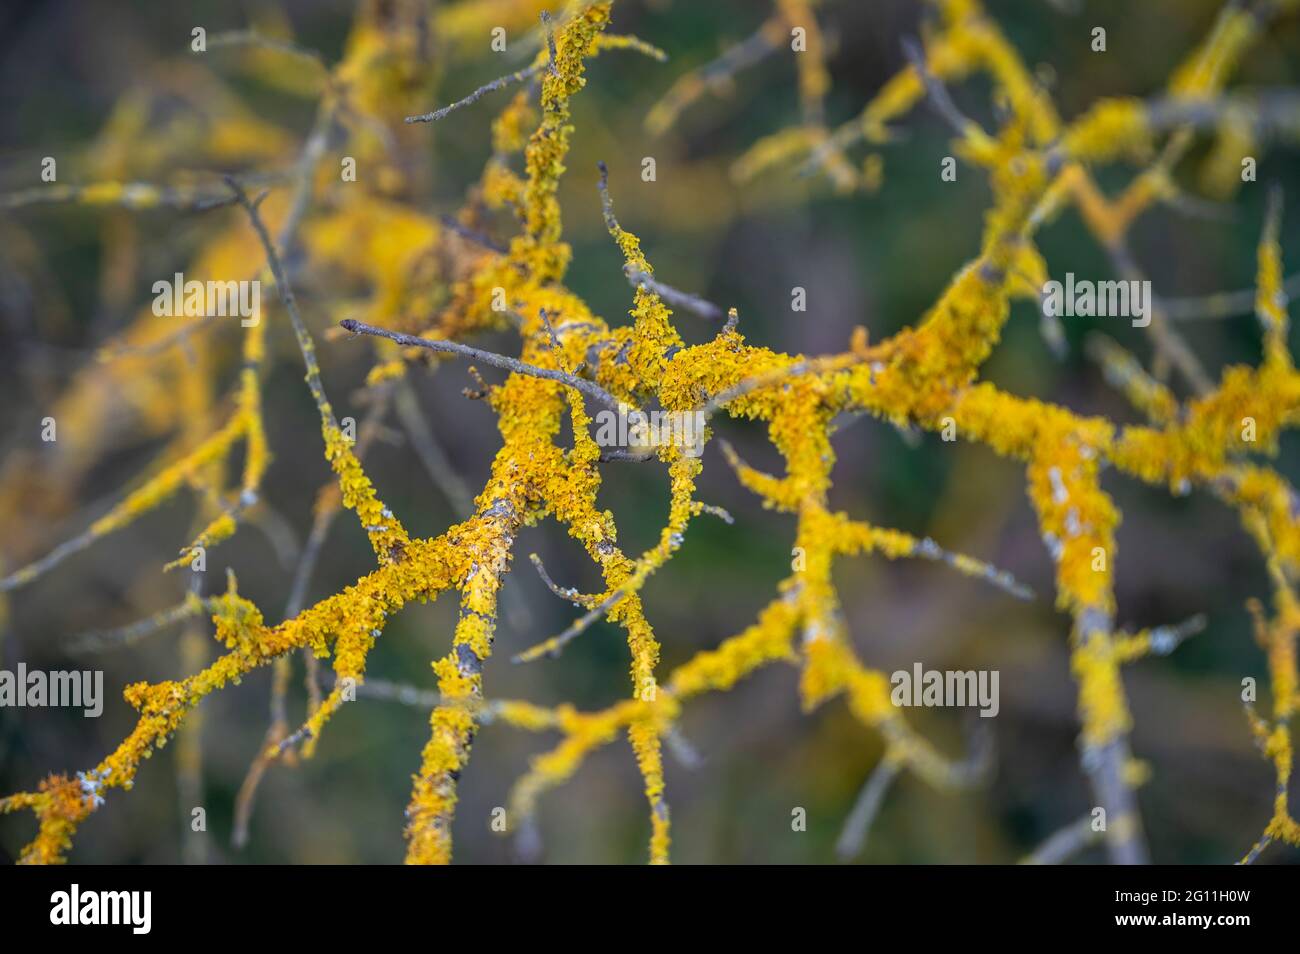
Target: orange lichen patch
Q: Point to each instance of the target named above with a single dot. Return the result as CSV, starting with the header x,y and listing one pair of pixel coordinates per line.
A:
x,y
59,805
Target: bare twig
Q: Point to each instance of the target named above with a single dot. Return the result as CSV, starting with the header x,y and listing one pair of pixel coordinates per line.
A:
x,y
104,639
714,510
465,232
246,799
178,337
137,196
1221,304
565,593
617,454
606,200
673,296
251,38
711,76
589,388
552,647
1064,843
435,460
304,174
549,26
518,76
853,837
937,93
305,343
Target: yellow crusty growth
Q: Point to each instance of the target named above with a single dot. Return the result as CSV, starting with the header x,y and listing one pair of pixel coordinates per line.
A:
x,y
925,376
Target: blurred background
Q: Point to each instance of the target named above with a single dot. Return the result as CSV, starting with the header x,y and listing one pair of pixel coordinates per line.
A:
x,y
73,277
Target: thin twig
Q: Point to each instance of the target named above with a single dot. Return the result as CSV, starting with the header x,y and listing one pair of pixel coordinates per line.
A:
x,y
499,83
570,594
246,799
927,549
179,336
118,637
549,26
52,559
714,510
138,196
1219,305
606,200
853,837
675,297
589,388
1256,850
636,277
609,455
304,174
681,749
435,460
465,232
710,76
937,93
552,647
406,694
305,343
554,339
1064,843
254,39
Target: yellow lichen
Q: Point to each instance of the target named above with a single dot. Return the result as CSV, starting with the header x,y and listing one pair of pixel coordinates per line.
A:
x,y
926,376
